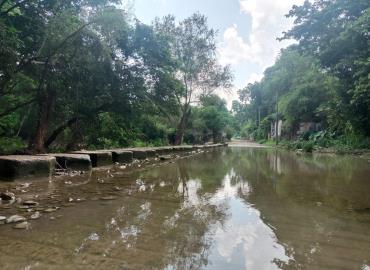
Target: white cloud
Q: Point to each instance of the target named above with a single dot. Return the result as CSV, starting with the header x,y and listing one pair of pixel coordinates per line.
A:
x,y
234,49
254,77
261,47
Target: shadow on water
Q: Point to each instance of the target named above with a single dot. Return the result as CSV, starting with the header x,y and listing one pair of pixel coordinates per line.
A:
x,y
237,208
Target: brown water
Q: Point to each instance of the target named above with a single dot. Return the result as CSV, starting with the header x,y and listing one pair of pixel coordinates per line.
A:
x,y
237,208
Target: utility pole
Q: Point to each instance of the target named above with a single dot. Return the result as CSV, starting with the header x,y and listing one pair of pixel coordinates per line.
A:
x,y
277,118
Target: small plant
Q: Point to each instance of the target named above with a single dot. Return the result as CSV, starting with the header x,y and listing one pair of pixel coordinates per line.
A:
x,y
308,146
11,145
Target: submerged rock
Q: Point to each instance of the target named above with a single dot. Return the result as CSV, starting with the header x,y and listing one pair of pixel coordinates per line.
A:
x,y
15,219
167,157
30,203
23,225
49,210
108,198
36,215
7,196
23,207
2,220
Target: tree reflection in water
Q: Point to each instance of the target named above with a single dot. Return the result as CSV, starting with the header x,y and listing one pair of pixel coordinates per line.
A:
x,y
234,208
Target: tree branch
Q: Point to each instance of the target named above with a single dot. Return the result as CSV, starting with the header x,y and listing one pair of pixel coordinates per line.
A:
x,y
59,130
3,3
12,7
13,109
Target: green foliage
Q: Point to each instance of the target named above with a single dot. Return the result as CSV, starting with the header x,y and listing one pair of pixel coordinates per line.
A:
x,y
336,32
210,121
193,47
323,79
11,145
98,79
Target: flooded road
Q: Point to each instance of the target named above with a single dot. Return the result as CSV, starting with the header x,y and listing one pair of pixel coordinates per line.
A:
x,y
235,208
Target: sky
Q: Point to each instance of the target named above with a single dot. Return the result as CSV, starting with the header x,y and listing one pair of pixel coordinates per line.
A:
x,y
247,31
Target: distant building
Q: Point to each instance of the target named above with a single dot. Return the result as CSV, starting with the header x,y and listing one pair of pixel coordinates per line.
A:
x,y
296,132
273,129
308,127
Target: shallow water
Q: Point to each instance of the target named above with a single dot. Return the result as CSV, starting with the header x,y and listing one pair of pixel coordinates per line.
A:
x,y
236,208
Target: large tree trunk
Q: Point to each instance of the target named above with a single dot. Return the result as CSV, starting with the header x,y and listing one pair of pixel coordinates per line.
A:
x,y
214,136
45,108
181,130
181,127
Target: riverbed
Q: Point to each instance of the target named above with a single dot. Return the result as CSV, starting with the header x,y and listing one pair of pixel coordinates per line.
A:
x,y
233,208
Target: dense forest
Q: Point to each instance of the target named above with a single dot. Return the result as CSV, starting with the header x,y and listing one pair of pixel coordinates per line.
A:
x,y
321,82
88,74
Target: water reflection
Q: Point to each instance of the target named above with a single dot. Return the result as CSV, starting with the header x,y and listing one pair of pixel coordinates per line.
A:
x,y
238,208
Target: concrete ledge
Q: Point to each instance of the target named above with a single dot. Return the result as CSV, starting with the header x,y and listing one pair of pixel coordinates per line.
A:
x,y
12,167
150,153
187,148
139,154
183,148
163,150
73,161
122,156
98,158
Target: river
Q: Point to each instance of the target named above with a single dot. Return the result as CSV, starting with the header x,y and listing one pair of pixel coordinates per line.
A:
x,y
233,208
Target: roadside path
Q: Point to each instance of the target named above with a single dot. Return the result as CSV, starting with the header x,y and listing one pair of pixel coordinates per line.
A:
x,y
244,143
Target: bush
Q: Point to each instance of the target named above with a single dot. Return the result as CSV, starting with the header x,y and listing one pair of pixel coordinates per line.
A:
x,y
11,145
308,146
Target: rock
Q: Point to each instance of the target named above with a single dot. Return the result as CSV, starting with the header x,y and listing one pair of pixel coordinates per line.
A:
x,y
50,210
68,204
30,203
23,225
15,219
108,198
165,157
36,215
2,220
7,196
23,207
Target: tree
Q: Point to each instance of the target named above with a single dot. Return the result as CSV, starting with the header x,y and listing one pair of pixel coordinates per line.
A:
x,y
337,33
304,90
194,48
215,115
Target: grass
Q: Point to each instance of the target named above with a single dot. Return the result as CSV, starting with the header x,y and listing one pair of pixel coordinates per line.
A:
x,y
324,142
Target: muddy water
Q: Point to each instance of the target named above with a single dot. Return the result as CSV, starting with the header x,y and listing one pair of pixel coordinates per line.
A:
x,y
236,208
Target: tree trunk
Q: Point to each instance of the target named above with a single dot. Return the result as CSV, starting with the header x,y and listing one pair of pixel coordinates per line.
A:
x,y
45,107
181,129
214,136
